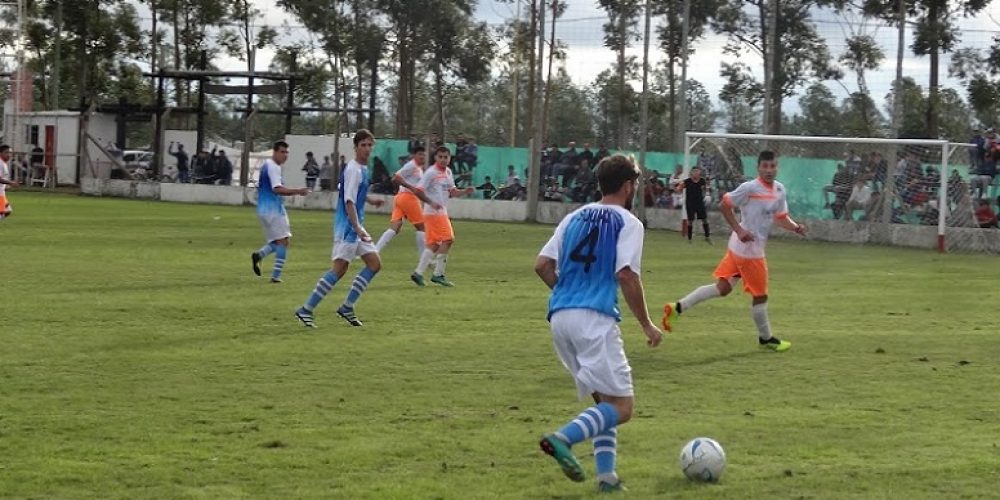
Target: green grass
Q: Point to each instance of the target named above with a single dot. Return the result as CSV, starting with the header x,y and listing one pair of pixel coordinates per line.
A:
x,y
139,358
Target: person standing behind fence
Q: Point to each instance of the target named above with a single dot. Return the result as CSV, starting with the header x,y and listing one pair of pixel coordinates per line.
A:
x,y
311,168
271,211
183,173
326,175
223,169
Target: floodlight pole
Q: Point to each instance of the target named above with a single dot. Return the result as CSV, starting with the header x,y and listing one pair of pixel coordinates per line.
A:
x,y
644,118
534,150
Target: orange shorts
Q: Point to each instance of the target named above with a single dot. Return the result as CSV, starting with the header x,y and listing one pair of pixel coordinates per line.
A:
x,y
753,272
4,207
438,229
407,205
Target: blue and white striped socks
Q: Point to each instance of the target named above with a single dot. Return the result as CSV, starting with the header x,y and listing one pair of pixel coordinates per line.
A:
x,y
279,261
323,287
592,422
359,286
267,249
605,453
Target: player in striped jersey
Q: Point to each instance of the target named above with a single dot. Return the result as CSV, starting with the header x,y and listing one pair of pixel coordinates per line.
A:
x,y
762,202
594,250
271,211
350,239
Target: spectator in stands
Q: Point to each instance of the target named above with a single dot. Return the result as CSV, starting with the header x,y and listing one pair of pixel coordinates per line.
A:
x,y
987,169
860,198
985,215
586,154
311,168
411,146
203,169
977,150
853,163
183,172
585,184
601,154
879,168
511,175
326,174
840,187
469,154
381,181
488,189
223,169
676,184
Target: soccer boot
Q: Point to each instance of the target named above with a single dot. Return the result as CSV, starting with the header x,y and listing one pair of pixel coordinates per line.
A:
x,y
275,280
774,344
441,280
305,317
255,259
669,314
559,450
348,314
608,487
418,279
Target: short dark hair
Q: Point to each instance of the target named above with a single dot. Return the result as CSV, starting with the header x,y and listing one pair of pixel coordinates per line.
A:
x,y
419,149
765,155
614,171
278,145
4,148
361,135
442,149
309,153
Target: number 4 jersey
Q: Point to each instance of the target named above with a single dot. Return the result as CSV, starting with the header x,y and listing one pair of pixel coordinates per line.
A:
x,y
590,246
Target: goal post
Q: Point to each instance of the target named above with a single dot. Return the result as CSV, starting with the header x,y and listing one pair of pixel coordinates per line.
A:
x,y
905,192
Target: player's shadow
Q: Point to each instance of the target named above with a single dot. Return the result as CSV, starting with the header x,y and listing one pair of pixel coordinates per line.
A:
x,y
679,486
710,360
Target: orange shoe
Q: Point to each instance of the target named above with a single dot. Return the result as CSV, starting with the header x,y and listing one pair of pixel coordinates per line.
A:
x,y
669,313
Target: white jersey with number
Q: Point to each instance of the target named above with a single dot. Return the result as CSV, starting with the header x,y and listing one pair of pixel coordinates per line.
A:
x,y
437,184
411,173
760,205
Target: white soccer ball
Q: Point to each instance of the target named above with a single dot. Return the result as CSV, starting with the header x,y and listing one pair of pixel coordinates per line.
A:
x,y
703,459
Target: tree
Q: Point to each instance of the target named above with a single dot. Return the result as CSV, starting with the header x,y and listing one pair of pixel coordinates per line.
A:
x,y
672,45
820,114
799,56
619,33
616,105
741,97
556,51
914,102
863,54
979,71
935,33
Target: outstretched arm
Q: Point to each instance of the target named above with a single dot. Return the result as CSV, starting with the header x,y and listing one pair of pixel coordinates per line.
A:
x,y
635,297
788,224
284,191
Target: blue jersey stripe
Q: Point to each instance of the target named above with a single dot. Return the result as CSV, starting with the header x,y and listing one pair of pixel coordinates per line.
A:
x,y
587,261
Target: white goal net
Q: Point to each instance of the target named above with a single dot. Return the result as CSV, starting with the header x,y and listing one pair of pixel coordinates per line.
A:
x,y
907,192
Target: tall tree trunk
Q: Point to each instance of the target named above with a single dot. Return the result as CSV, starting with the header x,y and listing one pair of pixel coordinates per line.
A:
x,y
439,97
620,137
359,120
672,112
933,97
411,90
531,70
548,77
177,48
401,90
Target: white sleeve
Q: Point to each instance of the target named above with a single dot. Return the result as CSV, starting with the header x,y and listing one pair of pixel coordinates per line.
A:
x,y
630,246
273,173
404,172
352,181
551,248
783,206
739,196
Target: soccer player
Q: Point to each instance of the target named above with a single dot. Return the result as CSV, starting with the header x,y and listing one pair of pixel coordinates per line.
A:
x,y
406,203
438,185
762,202
271,211
350,239
695,188
5,180
594,250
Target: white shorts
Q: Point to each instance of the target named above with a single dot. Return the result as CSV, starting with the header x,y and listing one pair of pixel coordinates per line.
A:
x,y
348,250
275,226
589,344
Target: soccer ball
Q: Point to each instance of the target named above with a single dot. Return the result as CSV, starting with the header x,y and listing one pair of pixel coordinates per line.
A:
x,y
703,459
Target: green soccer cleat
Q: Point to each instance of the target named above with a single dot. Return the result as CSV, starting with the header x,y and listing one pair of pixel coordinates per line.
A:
x,y
441,280
775,344
559,450
607,487
418,279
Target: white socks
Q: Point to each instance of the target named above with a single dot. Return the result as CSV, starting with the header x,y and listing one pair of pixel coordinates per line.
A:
x,y
760,318
385,239
425,260
421,242
439,262
699,295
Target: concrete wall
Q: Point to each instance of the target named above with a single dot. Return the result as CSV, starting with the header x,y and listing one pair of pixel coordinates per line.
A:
x,y
551,213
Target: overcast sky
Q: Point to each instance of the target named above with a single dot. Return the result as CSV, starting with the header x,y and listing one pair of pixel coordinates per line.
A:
x,y
581,29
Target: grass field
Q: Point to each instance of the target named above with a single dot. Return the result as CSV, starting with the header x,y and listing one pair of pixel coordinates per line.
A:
x,y
140,358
